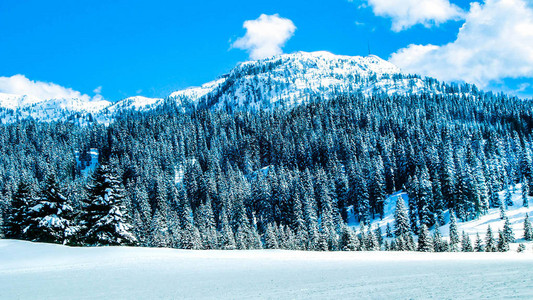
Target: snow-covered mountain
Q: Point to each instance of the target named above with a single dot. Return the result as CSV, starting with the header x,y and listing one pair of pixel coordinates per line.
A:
x,y
292,79
16,107
282,81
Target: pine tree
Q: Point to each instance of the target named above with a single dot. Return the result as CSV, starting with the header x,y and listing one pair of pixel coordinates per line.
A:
x,y
425,244
401,219
454,233
466,244
17,219
388,231
104,219
439,245
50,219
479,247
503,243
508,197
348,241
528,232
502,212
525,193
521,248
508,231
490,242
271,239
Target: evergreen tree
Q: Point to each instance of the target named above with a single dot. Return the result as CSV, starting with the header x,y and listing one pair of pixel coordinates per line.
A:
x,y
502,212
348,241
454,233
401,219
490,242
104,218
388,231
528,232
525,193
439,245
466,244
479,247
271,239
50,219
17,219
425,244
503,243
508,231
508,197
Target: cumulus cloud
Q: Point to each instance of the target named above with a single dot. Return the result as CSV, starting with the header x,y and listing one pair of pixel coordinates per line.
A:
x,y
407,13
20,85
494,43
265,36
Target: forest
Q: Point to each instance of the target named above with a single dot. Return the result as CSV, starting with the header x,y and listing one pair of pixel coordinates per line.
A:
x,y
281,178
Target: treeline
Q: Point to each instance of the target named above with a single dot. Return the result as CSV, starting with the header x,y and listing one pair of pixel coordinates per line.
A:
x,y
284,178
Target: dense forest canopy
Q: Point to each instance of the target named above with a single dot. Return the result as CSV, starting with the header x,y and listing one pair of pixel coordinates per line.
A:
x,y
209,179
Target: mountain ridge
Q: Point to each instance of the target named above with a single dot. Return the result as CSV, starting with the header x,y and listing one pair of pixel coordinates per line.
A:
x,y
281,81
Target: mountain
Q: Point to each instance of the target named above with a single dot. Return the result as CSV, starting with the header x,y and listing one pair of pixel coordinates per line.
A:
x,y
282,81
17,107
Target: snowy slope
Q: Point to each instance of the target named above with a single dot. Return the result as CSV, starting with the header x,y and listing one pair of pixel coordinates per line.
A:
x,y
46,271
515,213
282,81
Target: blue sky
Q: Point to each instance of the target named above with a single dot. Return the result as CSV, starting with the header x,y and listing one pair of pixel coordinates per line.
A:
x,y
151,48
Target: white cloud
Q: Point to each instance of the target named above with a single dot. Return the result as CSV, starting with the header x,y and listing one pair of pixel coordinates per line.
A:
x,y
494,43
98,90
265,36
407,13
20,85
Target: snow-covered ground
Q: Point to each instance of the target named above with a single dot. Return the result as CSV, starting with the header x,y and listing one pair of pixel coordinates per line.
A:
x,y
46,271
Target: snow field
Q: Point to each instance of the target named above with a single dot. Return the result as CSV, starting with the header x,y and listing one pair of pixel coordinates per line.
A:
x,y
45,271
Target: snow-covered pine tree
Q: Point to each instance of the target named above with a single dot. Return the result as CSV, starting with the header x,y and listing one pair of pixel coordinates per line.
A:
x,y
466,243
508,231
159,231
525,193
50,219
271,238
17,219
503,243
490,242
348,240
371,242
401,219
226,239
508,197
379,235
528,230
479,247
104,218
454,233
388,231
502,212
425,244
494,197
439,245
425,198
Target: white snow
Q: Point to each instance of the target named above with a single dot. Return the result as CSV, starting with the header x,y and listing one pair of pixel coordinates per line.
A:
x,y
45,271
